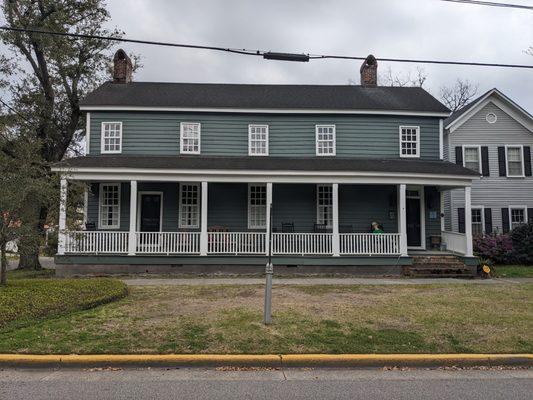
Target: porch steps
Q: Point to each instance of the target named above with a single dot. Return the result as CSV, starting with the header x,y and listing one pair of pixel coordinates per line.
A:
x,y
431,266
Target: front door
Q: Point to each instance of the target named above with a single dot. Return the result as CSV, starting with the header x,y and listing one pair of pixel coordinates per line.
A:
x,y
413,222
150,219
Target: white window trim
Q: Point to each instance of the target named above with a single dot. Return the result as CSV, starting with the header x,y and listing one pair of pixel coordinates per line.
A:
x,y
100,195
139,208
507,146
482,208
199,137
473,146
417,128
180,224
514,207
250,140
334,139
102,142
250,226
318,206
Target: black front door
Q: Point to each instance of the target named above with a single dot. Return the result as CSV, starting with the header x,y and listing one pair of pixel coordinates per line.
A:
x,y
413,223
150,213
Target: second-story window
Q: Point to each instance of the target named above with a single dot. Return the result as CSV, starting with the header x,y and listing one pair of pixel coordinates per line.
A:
x,y
190,138
515,161
111,137
325,140
472,159
409,141
258,140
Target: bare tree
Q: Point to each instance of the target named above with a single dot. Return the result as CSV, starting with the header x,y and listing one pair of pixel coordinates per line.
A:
x,y
417,78
459,95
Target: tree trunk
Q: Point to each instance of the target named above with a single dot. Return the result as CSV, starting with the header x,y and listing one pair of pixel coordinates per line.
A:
x,y
29,259
29,248
3,266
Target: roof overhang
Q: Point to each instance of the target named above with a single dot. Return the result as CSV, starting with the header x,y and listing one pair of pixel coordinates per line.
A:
x,y
500,100
265,110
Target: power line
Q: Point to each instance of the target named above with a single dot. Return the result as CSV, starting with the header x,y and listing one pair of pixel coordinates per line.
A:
x,y
265,54
491,4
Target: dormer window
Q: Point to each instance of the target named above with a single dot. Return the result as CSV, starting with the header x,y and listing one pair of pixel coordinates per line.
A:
x,y
111,140
190,138
409,141
325,140
258,140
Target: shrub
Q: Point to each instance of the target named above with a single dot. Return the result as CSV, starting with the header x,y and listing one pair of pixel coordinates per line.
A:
x,y
522,238
497,248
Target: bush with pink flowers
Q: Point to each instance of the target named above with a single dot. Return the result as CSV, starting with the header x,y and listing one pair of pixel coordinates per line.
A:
x,y
497,248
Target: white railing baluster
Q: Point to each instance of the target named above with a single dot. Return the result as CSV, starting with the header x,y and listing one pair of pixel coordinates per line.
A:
x,y
369,243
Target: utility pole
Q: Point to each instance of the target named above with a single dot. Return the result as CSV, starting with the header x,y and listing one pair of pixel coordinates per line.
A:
x,y
269,271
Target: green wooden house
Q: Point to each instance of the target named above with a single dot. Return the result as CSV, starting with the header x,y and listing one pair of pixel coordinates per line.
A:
x,y
185,174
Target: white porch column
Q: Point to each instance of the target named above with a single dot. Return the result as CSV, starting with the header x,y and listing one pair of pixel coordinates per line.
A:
x,y
85,205
61,235
468,222
335,236
132,239
203,224
402,213
268,212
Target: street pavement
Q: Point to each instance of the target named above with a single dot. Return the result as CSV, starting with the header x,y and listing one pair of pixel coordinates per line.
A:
x,y
271,384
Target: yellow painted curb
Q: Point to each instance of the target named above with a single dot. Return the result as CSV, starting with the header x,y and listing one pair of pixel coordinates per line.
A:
x,y
270,360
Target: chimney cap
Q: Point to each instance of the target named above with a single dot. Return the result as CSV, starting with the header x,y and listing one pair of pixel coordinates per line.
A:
x,y
370,61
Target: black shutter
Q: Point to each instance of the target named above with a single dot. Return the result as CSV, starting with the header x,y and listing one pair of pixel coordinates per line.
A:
x,y
527,160
485,161
488,221
505,220
530,215
459,155
501,161
461,219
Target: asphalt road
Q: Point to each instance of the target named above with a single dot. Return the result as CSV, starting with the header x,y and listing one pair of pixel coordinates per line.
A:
x,y
212,384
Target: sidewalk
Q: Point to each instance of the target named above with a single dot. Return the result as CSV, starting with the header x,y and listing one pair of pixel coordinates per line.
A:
x,y
319,281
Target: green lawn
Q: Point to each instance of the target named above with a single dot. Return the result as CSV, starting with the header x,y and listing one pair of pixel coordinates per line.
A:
x,y
513,271
307,319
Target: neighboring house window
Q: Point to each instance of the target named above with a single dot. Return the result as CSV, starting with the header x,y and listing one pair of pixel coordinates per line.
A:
x,y
325,140
189,138
257,206
324,204
517,216
477,221
515,162
258,140
189,205
409,141
111,137
472,158
109,213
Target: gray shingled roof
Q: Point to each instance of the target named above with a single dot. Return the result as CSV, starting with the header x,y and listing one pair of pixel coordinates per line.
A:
x,y
333,164
319,97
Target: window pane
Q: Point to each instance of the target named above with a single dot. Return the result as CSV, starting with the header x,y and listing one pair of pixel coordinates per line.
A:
x,y
190,138
111,137
258,139
325,205
189,206
408,141
517,217
110,206
472,158
257,206
514,161
325,140
477,221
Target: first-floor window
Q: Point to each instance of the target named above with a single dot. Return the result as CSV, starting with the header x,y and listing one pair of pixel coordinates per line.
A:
x,y
517,217
257,206
324,203
477,221
109,213
189,205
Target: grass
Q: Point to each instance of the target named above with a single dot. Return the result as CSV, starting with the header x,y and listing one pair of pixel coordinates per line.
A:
x,y
307,319
26,302
513,271
30,274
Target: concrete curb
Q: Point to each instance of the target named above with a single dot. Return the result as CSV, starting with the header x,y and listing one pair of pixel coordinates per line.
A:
x,y
267,360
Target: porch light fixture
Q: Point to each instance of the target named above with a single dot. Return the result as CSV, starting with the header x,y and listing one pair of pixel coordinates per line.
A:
x,y
270,55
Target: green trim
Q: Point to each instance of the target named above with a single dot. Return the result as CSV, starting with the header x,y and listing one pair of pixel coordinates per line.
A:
x,y
231,260
470,261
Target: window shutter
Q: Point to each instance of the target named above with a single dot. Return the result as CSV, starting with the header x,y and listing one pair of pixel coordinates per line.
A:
x,y
530,215
461,219
505,220
501,161
485,161
488,221
459,155
527,160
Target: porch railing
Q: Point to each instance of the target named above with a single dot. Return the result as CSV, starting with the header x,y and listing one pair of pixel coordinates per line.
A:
x,y
302,243
369,243
167,242
236,242
96,242
454,241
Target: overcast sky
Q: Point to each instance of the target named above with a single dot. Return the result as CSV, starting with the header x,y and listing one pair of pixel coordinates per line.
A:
x,y
430,29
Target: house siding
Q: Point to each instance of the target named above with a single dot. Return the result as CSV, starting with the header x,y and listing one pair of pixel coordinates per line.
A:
x,y
157,133
493,191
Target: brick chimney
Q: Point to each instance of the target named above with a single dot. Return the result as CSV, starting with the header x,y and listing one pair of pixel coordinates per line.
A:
x,y
369,72
122,67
